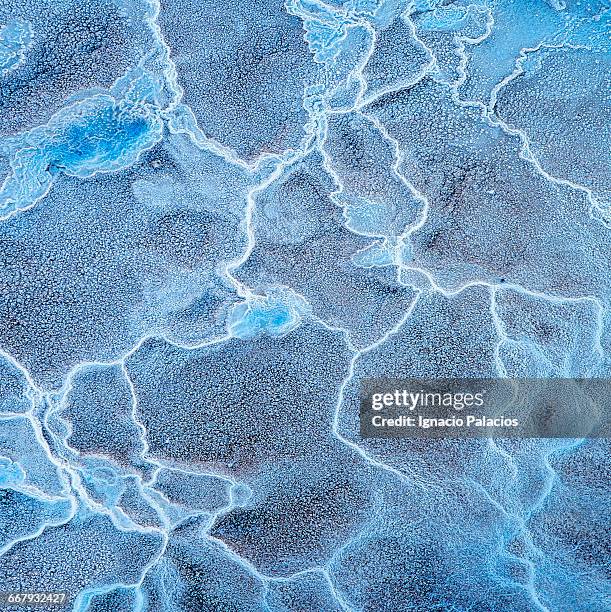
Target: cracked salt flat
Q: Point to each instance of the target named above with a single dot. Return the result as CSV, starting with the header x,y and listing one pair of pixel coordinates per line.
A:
x,y
217,218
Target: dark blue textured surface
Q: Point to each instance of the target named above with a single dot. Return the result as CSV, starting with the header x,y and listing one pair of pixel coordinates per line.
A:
x,y
217,219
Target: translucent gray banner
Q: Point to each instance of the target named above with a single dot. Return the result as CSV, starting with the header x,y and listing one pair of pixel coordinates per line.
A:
x,y
476,408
